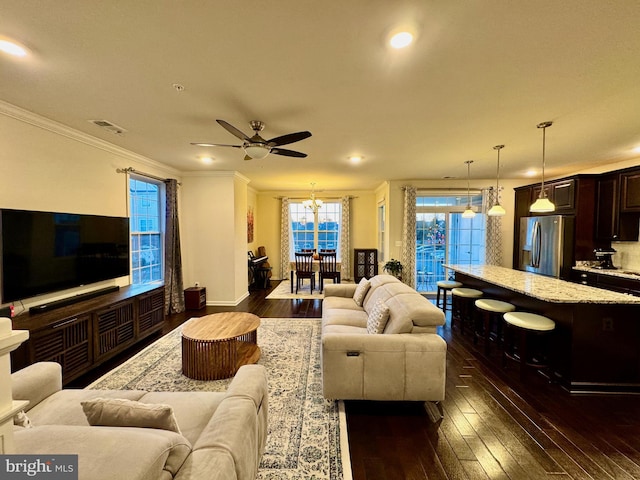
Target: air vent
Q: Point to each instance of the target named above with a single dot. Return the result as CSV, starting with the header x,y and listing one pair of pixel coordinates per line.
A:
x,y
109,126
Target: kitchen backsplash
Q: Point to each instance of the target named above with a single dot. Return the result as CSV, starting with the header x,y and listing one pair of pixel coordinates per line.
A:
x,y
627,256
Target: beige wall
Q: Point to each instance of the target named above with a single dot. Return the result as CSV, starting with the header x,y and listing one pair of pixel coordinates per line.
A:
x,y
47,166
363,225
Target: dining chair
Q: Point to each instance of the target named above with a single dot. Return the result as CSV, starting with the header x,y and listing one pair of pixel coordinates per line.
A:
x,y
304,269
328,268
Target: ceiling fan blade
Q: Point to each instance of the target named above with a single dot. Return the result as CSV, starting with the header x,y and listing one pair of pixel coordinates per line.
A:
x,y
288,153
233,130
289,138
202,144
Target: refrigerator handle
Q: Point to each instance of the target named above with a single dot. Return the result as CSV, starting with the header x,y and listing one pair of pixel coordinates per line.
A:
x,y
536,246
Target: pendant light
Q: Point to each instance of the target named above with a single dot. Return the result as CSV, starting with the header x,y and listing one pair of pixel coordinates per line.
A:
x,y
468,213
497,210
543,204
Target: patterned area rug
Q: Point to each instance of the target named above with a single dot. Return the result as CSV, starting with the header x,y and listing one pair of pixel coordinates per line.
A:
x,y
307,435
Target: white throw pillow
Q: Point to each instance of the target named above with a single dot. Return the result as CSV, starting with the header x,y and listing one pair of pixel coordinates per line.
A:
x,y
361,291
120,412
378,318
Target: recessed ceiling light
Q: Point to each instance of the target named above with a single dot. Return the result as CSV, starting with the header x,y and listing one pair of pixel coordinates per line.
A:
x,y
355,158
636,149
207,160
401,40
12,48
530,173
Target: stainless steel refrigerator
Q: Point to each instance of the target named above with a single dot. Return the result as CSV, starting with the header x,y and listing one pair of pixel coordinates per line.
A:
x,y
546,245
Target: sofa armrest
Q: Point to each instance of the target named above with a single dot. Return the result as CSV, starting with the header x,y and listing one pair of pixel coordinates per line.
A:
x,y
340,290
36,382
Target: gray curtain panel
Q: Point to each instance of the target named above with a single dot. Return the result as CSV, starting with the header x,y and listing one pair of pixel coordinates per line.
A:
x,y
173,285
409,237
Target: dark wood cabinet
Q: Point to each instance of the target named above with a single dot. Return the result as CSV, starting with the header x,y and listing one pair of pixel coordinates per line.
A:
x,y
574,196
83,335
607,281
195,298
630,191
616,191
365,263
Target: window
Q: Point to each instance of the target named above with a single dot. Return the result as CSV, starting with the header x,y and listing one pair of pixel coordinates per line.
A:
x,y
147,259
315,230
443,236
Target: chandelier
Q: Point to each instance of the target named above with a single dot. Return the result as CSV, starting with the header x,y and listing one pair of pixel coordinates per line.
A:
x,y
312,203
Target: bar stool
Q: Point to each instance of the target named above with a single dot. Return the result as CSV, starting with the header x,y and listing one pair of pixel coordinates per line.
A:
x,y
445,286
462,305
491,312
523,329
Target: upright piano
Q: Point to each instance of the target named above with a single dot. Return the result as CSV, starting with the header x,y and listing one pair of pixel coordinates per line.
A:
x,y
258,273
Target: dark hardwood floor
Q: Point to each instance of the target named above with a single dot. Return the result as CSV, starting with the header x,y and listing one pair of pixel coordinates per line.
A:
x,y
495,424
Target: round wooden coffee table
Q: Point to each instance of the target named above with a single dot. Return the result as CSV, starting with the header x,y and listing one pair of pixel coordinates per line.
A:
x,y
215,346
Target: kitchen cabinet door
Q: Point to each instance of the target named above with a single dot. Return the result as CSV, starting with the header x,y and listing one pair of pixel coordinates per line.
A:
x,y
630,191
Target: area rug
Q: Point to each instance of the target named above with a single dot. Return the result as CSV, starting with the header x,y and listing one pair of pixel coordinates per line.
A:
x,y
283,291
307,435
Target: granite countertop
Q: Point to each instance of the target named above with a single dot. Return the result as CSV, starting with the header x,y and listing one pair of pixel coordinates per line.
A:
x,y
542,287
613,273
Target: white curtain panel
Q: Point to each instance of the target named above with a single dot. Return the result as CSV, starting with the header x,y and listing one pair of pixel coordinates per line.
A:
x,y
345,239
493,232
409,237
284,239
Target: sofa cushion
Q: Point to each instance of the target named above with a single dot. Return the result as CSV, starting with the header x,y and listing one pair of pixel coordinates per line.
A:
x,y
339,316
361,291
191,409
107,453
120,412
329,303
64,408
378,318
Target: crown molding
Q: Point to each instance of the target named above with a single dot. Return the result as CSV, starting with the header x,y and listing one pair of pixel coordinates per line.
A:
x,y
58,128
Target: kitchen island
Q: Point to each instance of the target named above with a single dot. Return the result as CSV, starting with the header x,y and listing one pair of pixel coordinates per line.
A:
x,y
596,343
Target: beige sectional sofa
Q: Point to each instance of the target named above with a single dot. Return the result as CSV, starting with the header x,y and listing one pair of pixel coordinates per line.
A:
x,y
221,435
405,362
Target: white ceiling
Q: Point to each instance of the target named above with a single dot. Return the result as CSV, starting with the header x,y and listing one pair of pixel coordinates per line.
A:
x,y
480,73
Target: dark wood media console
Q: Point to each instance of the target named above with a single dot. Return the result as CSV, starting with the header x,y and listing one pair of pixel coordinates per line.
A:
x,y
84,335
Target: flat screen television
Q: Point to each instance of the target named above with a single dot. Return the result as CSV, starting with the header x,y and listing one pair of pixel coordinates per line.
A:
x,y
45,252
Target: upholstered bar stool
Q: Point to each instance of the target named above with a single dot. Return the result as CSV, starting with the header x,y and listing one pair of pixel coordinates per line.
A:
x,y
445,286
491,312
522,330
462,300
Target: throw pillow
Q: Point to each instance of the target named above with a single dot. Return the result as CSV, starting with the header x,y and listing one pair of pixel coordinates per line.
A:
x,y
361,291
378,317
21,420
117,412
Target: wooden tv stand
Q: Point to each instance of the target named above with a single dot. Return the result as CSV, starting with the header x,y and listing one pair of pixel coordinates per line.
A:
x,y
84,335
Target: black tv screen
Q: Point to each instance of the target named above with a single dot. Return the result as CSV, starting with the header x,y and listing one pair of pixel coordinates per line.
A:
x,y
44,252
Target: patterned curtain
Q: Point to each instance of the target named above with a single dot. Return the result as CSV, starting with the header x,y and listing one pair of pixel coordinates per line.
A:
x,y
345,240
409,237
173,285
493,232
284,239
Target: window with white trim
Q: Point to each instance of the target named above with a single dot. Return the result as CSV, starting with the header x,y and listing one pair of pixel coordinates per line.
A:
x,y
147,228
315,230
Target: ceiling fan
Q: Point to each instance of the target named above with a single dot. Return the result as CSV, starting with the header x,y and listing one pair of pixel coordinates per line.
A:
x,y
256,147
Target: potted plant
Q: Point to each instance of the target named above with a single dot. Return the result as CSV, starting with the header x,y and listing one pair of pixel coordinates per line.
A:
x,y
394,267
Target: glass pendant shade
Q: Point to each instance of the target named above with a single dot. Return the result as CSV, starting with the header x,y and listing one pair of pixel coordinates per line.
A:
x,y
468,213
497,211
543,204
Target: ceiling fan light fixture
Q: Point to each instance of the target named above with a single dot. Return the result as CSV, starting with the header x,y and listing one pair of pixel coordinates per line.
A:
x,y
257,151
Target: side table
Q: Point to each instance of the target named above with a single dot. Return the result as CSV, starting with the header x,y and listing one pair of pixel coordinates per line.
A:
x,y
195,298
